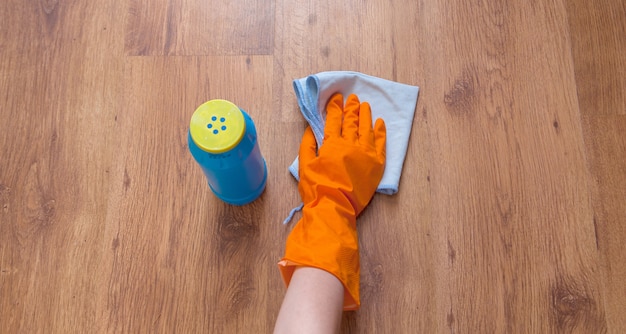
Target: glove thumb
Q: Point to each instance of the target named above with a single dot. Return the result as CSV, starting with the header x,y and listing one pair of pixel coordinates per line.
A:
x,y
308,147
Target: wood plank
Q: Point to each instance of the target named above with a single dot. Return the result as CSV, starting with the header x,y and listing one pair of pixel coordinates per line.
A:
x,y
188,27
315,36
598,33
58,104
183,260
508,160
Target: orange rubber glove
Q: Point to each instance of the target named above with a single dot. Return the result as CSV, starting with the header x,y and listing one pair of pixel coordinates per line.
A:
x,y
336,184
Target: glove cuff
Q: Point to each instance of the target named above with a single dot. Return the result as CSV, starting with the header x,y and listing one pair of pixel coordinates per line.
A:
x,y
326,238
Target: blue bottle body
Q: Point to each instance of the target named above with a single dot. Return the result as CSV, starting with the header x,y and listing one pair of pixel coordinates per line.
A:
x,y
237,176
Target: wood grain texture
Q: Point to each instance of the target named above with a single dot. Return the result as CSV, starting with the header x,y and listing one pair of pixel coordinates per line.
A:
x,y
510,213
501,196
598,34
59,98
196,259
190,27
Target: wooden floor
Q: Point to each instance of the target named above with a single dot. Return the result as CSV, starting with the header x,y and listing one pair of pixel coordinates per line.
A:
x,y
511,213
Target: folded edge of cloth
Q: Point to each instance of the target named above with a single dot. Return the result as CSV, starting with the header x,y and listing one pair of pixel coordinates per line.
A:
x,y
392,101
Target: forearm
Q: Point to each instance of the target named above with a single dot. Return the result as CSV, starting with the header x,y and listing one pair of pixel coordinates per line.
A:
x,y
326,238
313,303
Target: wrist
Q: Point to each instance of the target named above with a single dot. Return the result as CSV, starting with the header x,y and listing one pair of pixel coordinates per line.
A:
x,y
331,207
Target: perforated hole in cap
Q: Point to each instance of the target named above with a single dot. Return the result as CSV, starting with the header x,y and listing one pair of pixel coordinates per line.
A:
x,y
216,131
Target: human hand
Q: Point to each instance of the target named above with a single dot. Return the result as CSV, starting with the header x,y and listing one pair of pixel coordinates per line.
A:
x,y
350,163
336,184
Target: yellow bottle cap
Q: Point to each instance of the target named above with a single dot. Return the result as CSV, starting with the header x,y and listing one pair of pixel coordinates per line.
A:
x,y
217,126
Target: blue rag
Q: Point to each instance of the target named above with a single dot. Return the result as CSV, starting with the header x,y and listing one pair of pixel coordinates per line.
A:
x,y
393,102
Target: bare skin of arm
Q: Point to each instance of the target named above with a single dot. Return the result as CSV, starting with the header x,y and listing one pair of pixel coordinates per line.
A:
x,y
313,303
